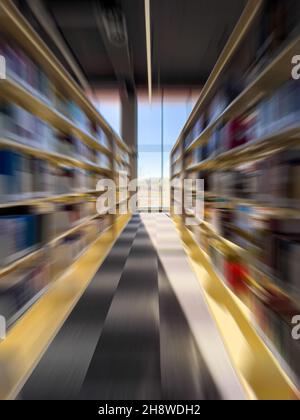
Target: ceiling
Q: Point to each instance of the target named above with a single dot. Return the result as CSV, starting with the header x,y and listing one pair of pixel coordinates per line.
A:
x,y
187,37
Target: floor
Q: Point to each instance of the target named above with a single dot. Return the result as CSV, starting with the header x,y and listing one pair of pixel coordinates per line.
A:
x,y
141,330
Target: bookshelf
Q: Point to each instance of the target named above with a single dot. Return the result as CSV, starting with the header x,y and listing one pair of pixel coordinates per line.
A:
x,y
32,334
241,336
54,148
250,13
13,23
251,204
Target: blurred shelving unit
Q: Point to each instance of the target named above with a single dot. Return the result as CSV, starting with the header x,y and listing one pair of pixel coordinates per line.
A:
x,y
256,285
109,149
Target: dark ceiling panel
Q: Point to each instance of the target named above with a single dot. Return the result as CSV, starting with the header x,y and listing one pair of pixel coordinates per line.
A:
x,y
187,37
135,19
77,24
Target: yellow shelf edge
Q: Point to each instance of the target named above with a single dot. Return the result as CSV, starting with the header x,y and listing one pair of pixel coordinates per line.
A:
x,y
256,90
265,144
52,156
258,369
16,25
29,338
14,91
27,258
245,22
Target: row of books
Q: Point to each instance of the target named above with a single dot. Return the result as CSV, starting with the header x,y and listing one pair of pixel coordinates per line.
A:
x,y
23,232
273,247
122,153
272,240
277,25
19,235
272,181
24,176
175,155
72,111
277,333
272,315
19,125
23,68
241,201
278,112
26,71
67,216
176,168
23,286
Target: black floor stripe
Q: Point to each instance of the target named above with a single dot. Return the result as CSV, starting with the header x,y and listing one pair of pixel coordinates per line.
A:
x,y
61,371
126,363
184,375
127,338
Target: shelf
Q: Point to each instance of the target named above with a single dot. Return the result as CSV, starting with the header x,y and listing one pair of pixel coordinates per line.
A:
x,y
176,174
267,208
177,160
14,91
275,74
204,165
251,151
48,199
122,161
13,23
254,363
52,156
232,249
263,291
28,339
81,224
74,229
238,35
32,256
21,261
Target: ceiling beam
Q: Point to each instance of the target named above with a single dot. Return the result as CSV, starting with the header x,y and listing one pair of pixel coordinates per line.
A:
x,y
119,56
148,46
46,21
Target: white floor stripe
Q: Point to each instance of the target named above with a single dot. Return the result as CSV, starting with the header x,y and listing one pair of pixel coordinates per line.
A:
x,y
189,293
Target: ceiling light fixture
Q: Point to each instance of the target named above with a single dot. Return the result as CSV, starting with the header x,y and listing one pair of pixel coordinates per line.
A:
x,y
114,23
148,47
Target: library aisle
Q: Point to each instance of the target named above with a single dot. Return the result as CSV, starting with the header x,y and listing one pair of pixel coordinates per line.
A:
x,y
128,338
149,200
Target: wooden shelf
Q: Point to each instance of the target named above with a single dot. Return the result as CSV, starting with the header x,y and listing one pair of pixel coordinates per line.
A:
x,y
275,74
48,199
238,35
251,151
177,160
40,324
81,224
176,174
238,331
74,229
262,290
278,211
14,91
52,156
13,23
22,261
32,256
